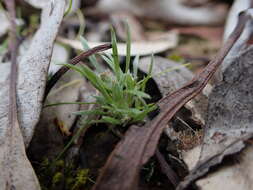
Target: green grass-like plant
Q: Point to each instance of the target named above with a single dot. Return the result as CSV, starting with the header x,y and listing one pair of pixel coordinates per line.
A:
x,y
122,95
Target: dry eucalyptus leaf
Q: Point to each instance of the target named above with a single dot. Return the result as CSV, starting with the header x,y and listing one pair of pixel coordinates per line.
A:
x,y
137,48
229,121
238,6
16,170
191,157
168,10
41,4
34,65
236,176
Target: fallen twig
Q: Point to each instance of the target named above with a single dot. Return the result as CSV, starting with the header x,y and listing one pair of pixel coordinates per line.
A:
x,y
122,167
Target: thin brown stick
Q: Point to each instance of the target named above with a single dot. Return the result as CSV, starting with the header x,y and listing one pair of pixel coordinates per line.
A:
x,y
74,61
121,170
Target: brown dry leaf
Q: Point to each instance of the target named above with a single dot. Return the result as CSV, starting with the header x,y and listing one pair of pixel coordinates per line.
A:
x,y
229,121
13,161
16,170
137,48
234,176
34,65
238,6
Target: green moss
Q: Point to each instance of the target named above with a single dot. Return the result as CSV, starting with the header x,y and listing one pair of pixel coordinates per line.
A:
x,y
58,177
59,164
59,174
81,179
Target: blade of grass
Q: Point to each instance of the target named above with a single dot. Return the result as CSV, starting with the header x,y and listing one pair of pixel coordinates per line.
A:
x,y
143,114
66,103
172,69
143,85
78,133
108,61
115,54
138,93
111,120
81,19
90,112
128,50
69,8
96,81
135,66
91,58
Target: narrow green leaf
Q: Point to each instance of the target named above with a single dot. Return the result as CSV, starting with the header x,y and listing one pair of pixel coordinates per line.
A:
x,y
143,114
91,58
92,77
143,85
128,49
96,81
139,93
135,66
65,103
111,120
77,135
115,54
69,8
117,93
90,112
130,82
173,68
74,67
108,61
151,65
